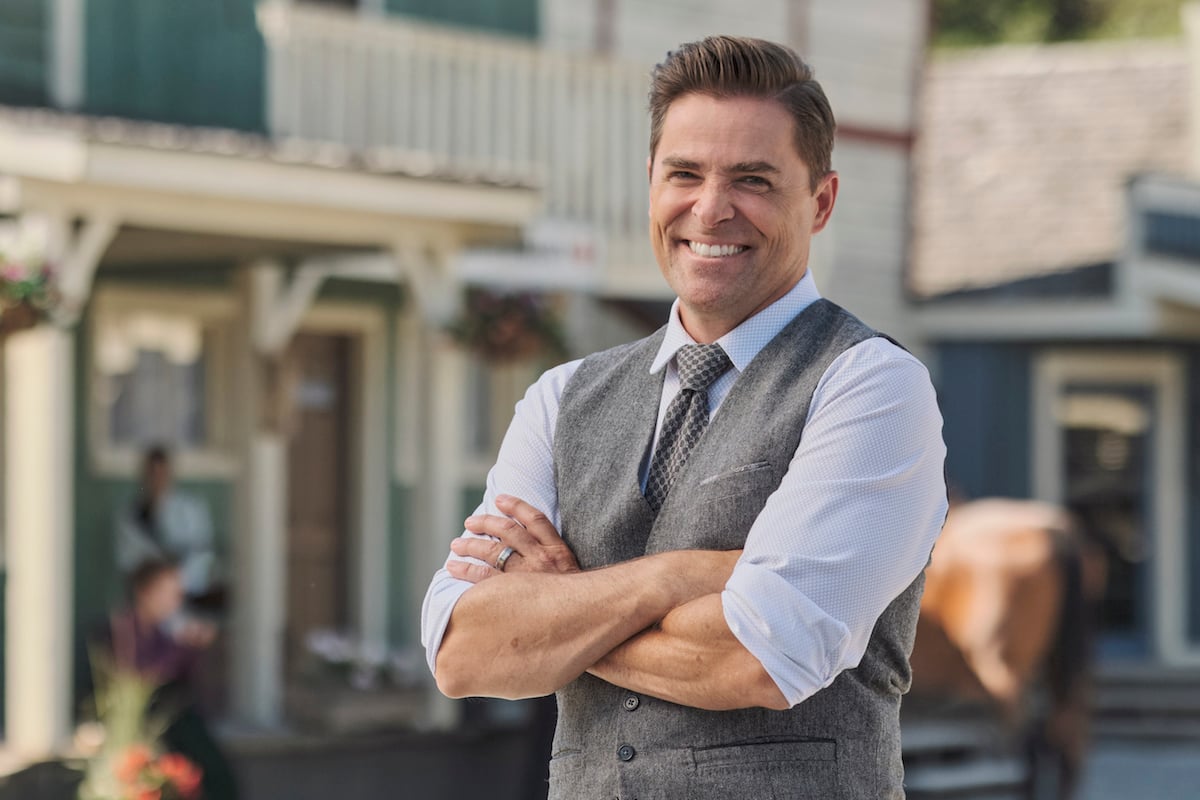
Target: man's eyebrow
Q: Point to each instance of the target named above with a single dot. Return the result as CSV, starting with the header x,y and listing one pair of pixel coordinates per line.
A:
x,y
675,162
753,166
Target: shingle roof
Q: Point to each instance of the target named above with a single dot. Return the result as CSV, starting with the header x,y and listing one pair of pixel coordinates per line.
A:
x,y
240,144
1024,153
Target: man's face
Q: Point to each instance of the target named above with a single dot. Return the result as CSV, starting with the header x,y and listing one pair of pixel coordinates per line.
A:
x,y
158,478
732,212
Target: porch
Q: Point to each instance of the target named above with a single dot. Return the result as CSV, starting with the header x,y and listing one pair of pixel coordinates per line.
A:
x,y
242,236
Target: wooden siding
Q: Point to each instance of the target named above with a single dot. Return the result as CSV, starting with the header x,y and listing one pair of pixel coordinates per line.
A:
x,y
193,63
513,17
24,56
984,395
646,30
858,261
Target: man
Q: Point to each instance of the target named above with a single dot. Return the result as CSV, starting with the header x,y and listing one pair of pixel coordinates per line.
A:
x,y
161,522
729,609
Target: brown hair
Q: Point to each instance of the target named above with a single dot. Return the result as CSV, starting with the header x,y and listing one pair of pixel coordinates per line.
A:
x,y
732,66
146,573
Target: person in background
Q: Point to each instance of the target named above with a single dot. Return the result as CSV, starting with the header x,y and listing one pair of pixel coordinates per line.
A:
x,y
162,522
143,639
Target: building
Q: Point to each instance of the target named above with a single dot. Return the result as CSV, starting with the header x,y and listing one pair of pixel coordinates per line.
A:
x,y
1055,255
264,217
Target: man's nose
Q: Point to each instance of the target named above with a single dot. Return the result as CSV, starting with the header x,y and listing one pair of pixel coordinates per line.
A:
x,y
712,205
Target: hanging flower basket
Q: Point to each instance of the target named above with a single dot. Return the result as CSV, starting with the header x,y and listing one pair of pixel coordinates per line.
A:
x,y
27,293
500,327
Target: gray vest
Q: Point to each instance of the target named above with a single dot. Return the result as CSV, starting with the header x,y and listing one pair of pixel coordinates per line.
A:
x,y
843,743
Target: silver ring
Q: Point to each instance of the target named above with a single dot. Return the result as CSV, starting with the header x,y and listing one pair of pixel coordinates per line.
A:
x,y
503,558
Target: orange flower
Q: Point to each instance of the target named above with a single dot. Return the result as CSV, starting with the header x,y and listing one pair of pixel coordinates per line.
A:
x,y
182,773
131,763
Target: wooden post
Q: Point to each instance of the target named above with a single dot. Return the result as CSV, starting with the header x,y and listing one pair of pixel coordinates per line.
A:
x,y
39,523
259,566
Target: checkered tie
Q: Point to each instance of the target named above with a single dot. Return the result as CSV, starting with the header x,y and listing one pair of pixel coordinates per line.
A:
x,y
687,416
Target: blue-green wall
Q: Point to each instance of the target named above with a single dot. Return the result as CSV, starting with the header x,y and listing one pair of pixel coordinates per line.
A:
x,y
514,17
193,62
24,63
984,394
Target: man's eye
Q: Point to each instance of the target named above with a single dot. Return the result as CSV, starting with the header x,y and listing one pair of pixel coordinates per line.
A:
x,y
681,175
755,180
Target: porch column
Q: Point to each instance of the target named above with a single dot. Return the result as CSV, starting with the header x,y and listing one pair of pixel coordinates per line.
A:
x,y
259,546
39,524
442,374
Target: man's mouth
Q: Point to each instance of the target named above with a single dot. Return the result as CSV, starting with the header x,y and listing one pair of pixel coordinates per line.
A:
x,y
715,250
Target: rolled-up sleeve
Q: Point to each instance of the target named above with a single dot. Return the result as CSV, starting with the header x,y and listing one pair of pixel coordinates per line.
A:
x,y
524,468
851,525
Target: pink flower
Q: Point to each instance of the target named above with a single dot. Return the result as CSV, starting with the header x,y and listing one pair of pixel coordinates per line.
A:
x,y
129,766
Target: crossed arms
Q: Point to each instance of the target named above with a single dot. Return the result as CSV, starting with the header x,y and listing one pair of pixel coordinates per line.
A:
x,y
653,625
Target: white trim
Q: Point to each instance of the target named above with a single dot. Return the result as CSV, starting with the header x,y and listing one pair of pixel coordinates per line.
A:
x,y
67,42
1165,372
215,461
1035,319
369,557
406,448
67,158
1174,279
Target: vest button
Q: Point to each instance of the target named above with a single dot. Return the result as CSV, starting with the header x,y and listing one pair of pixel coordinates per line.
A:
x,y
626,753
632,702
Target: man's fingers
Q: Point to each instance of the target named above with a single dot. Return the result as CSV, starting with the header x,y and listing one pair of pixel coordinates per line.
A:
x,y
468,571
508,531
534,520
485,550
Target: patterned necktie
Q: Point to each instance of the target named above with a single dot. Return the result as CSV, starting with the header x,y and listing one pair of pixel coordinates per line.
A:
x,y
687,416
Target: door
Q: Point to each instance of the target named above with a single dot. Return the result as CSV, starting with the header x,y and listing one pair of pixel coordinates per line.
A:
x,y
1108,475
1109,445
318,546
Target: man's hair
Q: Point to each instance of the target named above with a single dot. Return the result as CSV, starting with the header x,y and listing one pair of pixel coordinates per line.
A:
x,y
732,66
156,454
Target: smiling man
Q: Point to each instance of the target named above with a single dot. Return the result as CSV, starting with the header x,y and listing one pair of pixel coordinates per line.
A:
x,y
710,543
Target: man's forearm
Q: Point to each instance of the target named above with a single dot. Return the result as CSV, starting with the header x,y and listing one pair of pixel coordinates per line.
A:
x,y
525,635
692,659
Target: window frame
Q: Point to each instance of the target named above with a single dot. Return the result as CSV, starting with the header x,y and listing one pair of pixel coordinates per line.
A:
x,y
212,310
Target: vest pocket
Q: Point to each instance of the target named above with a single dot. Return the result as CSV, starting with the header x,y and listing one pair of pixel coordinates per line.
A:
x,y
778,769
566,763
762,754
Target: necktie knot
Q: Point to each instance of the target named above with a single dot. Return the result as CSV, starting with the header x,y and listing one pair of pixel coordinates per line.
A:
x,y
701,364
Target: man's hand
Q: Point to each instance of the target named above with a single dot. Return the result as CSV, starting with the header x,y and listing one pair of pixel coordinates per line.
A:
x,y
536,544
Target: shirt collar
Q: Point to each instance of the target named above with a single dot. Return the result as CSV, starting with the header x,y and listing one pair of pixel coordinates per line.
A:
x,y
745,341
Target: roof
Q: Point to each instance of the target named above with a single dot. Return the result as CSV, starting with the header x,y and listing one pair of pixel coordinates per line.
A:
x,y
240,144
1024,154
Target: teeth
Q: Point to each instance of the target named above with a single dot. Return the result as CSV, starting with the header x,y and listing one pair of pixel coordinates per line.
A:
x,y
715,250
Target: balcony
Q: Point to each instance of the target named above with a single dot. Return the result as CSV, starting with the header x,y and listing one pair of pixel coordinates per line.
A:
x,y
440,101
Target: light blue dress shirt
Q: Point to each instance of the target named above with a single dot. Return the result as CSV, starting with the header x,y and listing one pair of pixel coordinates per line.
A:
x,y
851,525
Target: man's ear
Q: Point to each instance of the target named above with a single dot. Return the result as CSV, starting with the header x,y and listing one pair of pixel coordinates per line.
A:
x,y
826,195
649,167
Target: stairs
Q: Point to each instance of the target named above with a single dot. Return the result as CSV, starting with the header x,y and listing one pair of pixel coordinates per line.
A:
x,y
1146,702
960,756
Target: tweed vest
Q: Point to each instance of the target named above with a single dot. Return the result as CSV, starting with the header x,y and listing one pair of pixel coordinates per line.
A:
x,y
843,743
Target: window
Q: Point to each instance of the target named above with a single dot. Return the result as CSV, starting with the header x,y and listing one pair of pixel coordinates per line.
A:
x,y
159,366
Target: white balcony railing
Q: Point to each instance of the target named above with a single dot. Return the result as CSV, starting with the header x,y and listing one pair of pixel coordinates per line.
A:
x,y
472,105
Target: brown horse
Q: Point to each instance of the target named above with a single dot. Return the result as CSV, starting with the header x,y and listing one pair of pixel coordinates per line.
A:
x,y
1005,611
